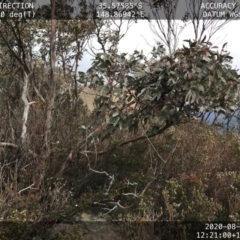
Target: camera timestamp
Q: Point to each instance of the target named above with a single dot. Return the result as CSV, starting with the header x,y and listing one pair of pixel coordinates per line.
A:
x,y
218,235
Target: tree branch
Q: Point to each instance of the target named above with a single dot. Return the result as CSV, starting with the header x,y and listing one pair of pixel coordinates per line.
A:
x,y
145,136
26,109
29,187
120,144
12,145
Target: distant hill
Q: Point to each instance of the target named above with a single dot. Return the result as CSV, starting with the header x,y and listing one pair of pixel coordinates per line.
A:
x,y
88,95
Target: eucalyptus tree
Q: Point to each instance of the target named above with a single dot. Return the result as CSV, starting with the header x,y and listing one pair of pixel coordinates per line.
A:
x,y
17,42
51,41
170,18
33,53
153,95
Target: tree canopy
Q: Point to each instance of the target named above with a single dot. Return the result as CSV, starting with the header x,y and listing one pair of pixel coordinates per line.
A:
x,y
165,90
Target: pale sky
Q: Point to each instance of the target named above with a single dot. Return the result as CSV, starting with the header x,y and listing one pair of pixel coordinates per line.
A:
x,y
140,37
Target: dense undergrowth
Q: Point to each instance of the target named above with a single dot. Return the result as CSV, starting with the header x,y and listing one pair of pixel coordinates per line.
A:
x,y
189,173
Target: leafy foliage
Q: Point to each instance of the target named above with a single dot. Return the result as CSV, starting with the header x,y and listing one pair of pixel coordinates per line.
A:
x,y
165,90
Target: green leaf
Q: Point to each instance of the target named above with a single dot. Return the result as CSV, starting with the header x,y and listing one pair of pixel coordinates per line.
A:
x,y
229,57
114,120
202,109
129,98
188,95
224,45
204,38
202,99
219,74
193,44
139,74
200,88
193,97
223,80
115,114
81,73
117,90
142,91
210,80
233,108
199,70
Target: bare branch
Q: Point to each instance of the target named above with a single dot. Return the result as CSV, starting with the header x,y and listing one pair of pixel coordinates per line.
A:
x,y
116,205
4,144
154,148
202,27
26,109
167,31
110,210
111,177
12,145
39,94
29,187
129,183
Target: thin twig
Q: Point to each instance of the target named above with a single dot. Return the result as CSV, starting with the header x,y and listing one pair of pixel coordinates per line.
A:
x,y
154,148
12,145
29,187
108,175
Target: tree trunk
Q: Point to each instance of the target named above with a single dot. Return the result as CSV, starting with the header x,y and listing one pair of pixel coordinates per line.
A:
x,y
52,82
26,110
